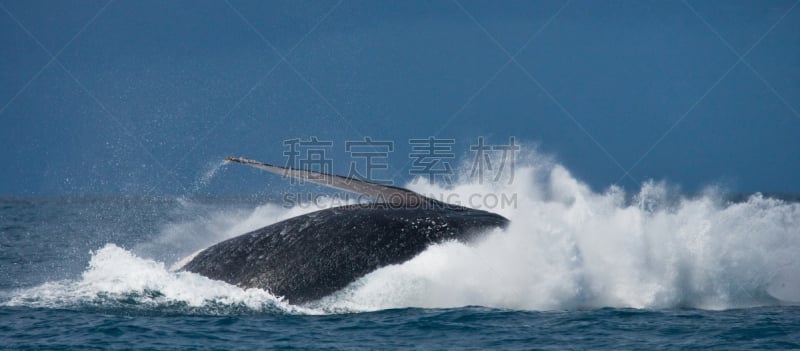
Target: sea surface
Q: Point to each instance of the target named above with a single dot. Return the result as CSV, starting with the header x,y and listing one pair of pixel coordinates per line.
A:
x,y
577,269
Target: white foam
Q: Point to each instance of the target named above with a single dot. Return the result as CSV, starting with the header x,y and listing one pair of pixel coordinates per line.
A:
x,y
568,247
116,277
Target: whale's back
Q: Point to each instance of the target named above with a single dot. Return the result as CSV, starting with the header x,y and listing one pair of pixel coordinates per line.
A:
x,y
310,256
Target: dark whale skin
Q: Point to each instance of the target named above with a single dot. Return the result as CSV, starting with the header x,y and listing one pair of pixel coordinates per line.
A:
x,y
308,257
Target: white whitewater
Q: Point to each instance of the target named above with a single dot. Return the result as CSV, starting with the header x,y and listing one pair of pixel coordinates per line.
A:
x,y
568,247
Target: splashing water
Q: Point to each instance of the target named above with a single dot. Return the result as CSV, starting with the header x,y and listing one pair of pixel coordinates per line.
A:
x,y
567,247
118,279
212,168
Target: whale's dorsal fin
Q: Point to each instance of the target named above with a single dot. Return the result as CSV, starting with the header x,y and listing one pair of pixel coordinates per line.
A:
x,y
392,195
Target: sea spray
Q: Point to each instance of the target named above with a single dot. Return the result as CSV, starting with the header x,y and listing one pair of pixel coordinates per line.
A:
x,y
210,171
116,279
567,247
207,225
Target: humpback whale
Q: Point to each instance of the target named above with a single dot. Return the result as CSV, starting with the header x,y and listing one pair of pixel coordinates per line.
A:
x,y
308,257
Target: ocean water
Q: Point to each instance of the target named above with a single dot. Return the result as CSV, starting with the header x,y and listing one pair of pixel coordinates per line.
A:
x,y
576,269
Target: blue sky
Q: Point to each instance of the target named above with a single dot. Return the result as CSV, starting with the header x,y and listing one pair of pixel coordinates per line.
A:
x,y
142,97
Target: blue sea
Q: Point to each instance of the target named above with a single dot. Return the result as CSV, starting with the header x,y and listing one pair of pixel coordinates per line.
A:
x,y
577,269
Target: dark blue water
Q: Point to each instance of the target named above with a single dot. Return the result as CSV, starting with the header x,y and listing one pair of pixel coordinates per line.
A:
x,y
461,328
61,286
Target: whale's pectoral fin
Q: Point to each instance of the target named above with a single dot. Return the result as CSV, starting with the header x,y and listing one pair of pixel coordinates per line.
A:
x,y
385,193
